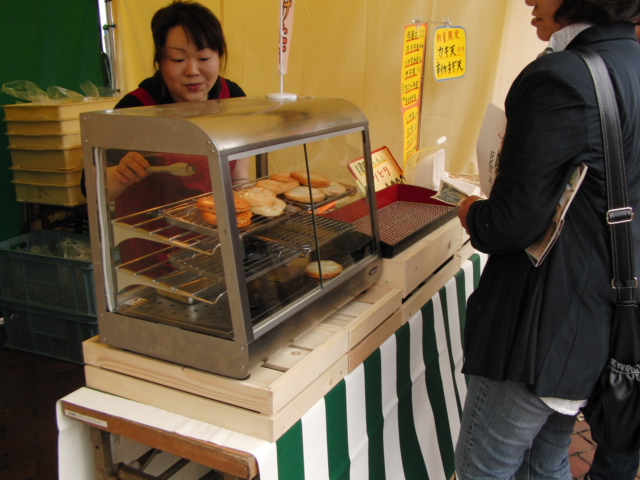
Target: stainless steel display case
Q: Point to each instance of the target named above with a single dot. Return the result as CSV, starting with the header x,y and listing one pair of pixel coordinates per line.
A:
x,y
223,298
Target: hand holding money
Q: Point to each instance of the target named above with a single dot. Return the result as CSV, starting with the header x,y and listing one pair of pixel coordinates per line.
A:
x,y
464,210
450,194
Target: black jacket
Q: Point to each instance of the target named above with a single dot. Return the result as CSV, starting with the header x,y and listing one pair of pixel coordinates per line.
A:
x,y
548,326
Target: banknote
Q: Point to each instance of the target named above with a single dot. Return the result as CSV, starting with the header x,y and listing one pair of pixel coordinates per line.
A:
x,y
450,194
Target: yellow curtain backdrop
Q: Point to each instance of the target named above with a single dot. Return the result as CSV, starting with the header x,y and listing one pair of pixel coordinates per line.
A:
x,y
353,50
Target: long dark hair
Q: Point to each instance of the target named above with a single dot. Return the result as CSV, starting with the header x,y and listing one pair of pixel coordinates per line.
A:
x,y
598,12
198,22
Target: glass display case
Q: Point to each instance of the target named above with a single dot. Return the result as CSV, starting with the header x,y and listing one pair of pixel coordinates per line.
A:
x,y
247,229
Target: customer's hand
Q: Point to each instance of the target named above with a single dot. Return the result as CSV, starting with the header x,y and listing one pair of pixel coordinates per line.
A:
x,y
464,210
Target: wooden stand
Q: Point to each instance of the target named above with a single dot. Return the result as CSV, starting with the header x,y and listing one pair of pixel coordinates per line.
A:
x,y
232,464
290,382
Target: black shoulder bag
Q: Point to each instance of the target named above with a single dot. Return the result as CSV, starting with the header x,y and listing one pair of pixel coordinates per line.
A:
x,y
613,411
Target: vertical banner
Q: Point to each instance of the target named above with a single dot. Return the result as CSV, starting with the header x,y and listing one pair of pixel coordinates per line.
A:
x,y
414,46
450,52
286,31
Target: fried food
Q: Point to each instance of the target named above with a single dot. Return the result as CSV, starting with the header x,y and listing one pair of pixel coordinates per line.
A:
x,y
257,196
330,269
281,177
272,210
276,186
334,189
243,218
316,179
207,204
301,194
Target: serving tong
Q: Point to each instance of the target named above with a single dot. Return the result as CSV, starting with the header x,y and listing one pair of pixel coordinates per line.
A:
x,y
180,169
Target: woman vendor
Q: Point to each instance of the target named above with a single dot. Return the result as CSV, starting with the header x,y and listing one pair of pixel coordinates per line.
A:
x,y
190,51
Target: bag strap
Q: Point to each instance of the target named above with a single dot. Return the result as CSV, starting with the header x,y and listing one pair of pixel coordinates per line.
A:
x,y
620,214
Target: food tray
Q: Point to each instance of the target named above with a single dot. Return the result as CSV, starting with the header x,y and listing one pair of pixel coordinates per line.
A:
x,y
70,140
187,216
300,230
62,111
64,178
68,196
43,128
350,190
47,159
406,213
259,256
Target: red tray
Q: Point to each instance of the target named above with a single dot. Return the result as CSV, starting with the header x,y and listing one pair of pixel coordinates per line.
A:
x,y
406,214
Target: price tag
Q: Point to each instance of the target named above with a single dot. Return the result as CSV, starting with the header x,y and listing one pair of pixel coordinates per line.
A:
x,y
449,53
386,171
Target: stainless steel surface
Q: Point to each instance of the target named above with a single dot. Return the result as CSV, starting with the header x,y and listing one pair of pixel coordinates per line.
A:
x,y
200,317
230,126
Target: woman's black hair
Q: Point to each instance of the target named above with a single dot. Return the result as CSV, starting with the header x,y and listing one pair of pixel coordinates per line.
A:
x,y
598,12
199,23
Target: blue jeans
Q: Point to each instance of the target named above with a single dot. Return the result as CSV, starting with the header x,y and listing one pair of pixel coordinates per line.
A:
x,y
611,466
508,432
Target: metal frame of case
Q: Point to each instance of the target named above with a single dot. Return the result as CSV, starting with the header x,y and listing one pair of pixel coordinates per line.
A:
x,y
222,130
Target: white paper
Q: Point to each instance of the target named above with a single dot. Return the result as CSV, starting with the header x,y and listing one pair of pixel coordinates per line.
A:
x,y
489,146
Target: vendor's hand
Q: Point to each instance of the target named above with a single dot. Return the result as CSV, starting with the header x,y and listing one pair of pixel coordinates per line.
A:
x,y
131,169
464,210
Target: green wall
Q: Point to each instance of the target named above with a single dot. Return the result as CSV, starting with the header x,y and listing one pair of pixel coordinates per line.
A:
x,y
49,43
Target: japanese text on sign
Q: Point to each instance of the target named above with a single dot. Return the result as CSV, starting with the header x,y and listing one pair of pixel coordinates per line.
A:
x,y
449,53
413,63
386,171
414,46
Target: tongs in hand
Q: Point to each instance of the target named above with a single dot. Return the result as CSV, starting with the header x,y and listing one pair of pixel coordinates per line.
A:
x,y
180,169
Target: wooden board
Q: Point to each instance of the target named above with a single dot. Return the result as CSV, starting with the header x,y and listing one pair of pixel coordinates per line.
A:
x,y
286,373
372,342
412,267
255,424
362,315
435,282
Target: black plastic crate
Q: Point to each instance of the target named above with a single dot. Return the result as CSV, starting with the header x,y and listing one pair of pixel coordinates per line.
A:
x,y
43,280
47,332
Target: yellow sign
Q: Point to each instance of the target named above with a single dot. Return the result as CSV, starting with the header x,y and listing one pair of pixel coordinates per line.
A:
x,y
449,53
414,46
411,122
413,63
386,171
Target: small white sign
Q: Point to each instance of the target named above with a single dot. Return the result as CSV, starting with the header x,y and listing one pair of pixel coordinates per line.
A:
x,y
86,418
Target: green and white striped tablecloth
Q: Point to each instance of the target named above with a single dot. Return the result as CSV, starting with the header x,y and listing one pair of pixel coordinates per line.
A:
x,y
397,416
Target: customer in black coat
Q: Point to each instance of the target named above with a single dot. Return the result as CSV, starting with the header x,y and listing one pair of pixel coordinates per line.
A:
x,y
537,338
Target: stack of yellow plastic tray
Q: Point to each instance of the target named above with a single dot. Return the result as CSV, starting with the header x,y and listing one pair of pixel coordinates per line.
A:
x,y
46,151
